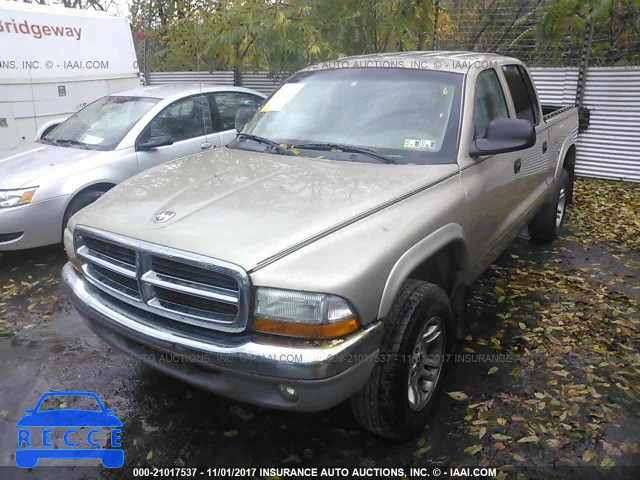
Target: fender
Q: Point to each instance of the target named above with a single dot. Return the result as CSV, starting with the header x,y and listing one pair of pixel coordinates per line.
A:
x,y
416,255
568,142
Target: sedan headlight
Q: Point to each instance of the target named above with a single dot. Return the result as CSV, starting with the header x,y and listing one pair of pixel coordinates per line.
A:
x,y
302,314
13,198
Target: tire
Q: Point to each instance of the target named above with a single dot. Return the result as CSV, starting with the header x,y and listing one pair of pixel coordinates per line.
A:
x,y
397,401
547,223
80,201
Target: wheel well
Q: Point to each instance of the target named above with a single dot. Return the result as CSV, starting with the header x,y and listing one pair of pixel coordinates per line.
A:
x,y
569,164
442,267
48,130
97,187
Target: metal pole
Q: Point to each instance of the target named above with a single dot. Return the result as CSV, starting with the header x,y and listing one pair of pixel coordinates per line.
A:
x,y
435,43
584,59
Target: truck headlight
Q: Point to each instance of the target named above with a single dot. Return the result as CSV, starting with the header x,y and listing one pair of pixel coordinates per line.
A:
x,y
13,198
302,314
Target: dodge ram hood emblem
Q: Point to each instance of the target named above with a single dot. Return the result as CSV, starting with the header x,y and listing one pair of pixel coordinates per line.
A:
x,y
163,217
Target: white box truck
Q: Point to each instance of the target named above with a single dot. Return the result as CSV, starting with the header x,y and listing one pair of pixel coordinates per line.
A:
x,y
54,61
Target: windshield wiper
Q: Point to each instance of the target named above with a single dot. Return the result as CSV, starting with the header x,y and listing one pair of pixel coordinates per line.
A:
x,y
265,141
347,149
65,141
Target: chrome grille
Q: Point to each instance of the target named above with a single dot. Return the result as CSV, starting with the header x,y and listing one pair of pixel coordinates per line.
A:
x,y
178,285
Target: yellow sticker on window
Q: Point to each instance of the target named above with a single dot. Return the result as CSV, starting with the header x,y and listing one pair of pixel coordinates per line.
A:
x,y
282,97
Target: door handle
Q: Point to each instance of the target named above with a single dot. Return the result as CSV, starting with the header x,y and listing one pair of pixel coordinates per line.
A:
x,y
544,147
206,146
517,166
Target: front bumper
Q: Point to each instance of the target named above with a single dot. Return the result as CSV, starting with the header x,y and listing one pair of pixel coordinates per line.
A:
x,y
32,225
248,367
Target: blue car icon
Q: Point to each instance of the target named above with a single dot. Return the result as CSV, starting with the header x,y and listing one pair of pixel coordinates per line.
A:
x,y
67,417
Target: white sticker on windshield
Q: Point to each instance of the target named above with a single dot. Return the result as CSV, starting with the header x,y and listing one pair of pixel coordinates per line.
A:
x,y
92,140
417,143
282,97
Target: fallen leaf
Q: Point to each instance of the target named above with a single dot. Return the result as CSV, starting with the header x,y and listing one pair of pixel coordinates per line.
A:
x,y
482,432
473,449
553,443
421,451
230,433
492,370
293,458
460,396
529,439
150,455
588,455
608,462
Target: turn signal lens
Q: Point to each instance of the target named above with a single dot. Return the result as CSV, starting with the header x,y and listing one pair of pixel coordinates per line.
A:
x,y
302,330
75,264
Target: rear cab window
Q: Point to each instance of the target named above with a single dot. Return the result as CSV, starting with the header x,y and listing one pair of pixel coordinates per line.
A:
x,y
522,93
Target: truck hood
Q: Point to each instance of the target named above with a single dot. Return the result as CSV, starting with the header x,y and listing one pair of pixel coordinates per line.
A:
x,y
26,163
245,207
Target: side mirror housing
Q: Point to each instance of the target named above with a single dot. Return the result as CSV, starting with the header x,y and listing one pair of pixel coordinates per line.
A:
x,y
154,142
504,135
243,115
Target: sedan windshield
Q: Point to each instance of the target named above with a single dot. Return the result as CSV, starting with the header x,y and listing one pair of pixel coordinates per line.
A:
x,y
102,124
377,115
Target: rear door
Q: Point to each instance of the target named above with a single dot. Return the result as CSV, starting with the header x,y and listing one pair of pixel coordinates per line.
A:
x,y
535,165
188,123
225,105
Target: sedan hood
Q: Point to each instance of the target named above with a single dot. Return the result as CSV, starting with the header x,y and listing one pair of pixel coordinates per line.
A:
x,y
244,207
22,165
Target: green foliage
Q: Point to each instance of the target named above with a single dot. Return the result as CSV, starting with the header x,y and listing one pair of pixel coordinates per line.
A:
x,y
285,35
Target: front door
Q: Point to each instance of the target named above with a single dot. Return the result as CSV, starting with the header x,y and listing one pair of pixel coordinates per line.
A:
x,y
188,123
492,182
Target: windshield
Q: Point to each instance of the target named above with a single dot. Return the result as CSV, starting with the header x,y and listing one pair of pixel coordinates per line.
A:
x,y
406,115
102,124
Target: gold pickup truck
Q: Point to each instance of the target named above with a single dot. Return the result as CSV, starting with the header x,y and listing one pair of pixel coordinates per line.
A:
x,y
327,252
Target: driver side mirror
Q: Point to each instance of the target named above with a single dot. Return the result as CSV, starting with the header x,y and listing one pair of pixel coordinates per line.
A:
x,y
243,115
154,142
504,135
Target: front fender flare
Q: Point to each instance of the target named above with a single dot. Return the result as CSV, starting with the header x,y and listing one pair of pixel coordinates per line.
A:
x,y
409,261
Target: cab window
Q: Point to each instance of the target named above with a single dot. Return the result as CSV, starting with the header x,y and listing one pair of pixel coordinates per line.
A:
x,y
182,120
489,102
522,93
228,104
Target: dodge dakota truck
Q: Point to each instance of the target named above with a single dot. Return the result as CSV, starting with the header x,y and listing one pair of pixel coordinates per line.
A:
x,y
327,252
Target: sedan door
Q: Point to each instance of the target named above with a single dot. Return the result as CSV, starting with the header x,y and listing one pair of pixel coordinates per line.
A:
x,y
186,123
224,106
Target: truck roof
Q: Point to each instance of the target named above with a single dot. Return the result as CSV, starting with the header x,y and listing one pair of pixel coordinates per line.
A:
x,y
448,61
179,89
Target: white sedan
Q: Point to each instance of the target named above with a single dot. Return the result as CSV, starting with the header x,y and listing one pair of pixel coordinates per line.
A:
x,y
44,183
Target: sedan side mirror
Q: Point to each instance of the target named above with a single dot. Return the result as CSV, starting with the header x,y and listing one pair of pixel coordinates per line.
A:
x,y
243,115
504,135
154,142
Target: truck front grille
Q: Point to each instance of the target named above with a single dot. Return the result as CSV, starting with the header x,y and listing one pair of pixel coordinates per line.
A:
x,y
178,285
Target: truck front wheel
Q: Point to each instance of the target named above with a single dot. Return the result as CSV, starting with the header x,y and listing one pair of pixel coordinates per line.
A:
x,y
398,400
